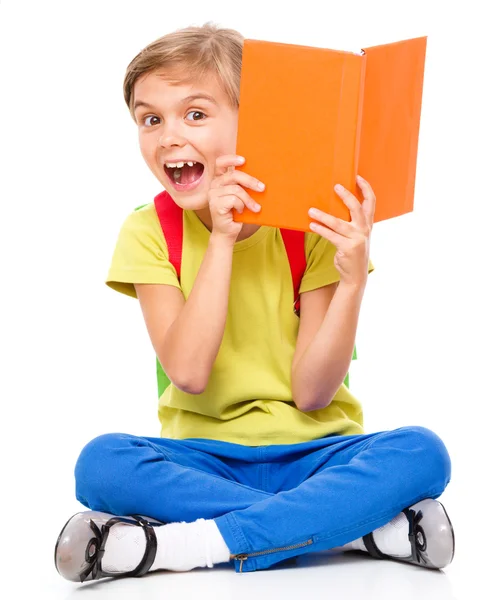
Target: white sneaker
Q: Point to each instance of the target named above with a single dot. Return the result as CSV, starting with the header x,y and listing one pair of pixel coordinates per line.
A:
x,y
430,533
81,543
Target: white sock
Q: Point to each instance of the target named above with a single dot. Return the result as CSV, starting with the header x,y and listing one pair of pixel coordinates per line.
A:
x,y
391,539
180,547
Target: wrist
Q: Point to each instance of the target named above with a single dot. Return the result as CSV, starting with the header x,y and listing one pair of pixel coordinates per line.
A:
x,y
222,240
355,288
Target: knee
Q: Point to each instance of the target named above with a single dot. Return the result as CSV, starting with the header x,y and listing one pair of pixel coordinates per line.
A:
x,y
432,453
95,467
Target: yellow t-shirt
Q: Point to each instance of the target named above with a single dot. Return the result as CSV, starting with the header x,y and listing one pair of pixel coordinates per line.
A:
x,y
248,399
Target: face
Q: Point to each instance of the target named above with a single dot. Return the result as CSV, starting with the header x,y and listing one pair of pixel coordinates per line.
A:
x,y
181,133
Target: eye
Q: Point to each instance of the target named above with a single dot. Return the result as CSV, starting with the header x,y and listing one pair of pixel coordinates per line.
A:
x,y
150,117
195,113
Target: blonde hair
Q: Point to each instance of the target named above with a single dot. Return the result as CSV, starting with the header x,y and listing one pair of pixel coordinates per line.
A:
x,y
190,54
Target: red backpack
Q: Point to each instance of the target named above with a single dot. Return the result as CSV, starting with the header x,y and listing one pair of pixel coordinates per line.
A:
x,y
171,220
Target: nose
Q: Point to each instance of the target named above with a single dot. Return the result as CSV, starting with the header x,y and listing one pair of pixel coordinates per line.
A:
x,y
171,136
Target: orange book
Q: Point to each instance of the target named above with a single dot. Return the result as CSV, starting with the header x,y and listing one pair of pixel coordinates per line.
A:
x,y
312,117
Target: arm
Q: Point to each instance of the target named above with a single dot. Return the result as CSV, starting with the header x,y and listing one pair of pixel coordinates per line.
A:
x,y
326,338
186,336
325,343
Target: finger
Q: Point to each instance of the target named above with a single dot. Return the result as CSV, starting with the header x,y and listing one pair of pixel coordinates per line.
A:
x,y
338,225
241,193
242,178
227,162
354,206
227,203
335,238
369,203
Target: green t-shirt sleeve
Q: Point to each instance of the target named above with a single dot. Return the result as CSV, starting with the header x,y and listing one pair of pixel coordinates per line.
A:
x,y
140,254
320,266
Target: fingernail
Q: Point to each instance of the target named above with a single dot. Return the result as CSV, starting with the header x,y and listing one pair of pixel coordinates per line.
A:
x,y
312,212
257,207
261,186
339,188
359,179
241,159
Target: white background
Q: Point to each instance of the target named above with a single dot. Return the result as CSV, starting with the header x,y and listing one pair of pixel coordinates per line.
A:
x,y
76,358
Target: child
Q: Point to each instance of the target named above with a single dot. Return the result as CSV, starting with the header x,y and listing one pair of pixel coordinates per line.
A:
x,y
262,454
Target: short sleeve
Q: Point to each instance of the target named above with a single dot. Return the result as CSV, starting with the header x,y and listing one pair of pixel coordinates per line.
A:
x,y
320,266
140,254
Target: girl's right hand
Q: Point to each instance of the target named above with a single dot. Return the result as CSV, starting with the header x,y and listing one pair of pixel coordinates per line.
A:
x,y
226,193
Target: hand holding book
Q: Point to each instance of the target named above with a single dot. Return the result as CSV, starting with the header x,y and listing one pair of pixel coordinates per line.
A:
x,y
228,192
352,239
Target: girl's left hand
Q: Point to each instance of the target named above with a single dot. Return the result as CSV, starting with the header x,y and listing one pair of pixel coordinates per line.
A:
x,y
352,239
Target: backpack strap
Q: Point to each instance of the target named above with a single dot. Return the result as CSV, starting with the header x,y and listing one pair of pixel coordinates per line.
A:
x,y
294,246
171,220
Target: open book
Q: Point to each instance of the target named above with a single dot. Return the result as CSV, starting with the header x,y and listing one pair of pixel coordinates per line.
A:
x,y
312,117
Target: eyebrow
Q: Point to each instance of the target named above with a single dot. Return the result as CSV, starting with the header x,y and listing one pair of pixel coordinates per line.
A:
x,y
183,101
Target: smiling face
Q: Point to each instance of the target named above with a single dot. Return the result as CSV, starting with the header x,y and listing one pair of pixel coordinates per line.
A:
x,y
182,129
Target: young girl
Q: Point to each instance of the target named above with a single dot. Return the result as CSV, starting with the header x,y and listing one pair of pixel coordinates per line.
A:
x,y
262,454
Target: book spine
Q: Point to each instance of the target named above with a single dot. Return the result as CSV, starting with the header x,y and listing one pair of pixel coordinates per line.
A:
x,y
363,64
349,121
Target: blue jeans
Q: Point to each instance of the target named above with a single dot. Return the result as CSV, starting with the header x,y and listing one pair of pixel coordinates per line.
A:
x,y
270,503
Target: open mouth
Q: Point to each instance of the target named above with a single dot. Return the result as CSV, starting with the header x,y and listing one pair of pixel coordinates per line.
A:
x,y
184,175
